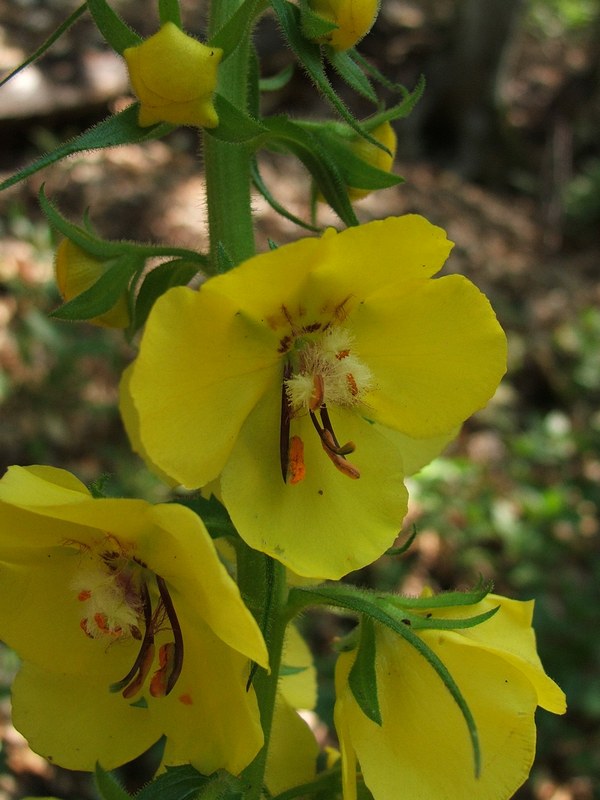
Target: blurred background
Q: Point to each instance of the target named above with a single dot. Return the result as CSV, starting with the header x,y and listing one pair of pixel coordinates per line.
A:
x,y
503,151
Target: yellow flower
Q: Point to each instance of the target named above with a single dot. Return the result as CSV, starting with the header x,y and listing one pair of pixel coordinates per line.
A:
x,y
128,628
77,271
354,19
174,77
312,379
373,155
423,745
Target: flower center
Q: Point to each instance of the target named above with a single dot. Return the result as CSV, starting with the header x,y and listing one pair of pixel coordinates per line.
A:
x,y
123,600
321,373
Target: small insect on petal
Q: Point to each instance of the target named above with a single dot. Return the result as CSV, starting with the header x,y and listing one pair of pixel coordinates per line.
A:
x,y
296,465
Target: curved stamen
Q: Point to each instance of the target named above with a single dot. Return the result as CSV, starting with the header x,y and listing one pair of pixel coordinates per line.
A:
x,y
327,434
285,422
176,660
136,675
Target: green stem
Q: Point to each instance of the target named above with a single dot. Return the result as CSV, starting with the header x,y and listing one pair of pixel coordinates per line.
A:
x,y
227,166
262,582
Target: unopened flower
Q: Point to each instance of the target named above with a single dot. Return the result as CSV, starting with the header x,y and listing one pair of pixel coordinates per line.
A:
x,y
174,77
77,271
373,155
311,379
354,19
422,744
128,628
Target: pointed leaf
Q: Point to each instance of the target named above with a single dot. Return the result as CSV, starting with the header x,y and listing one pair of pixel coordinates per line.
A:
x,y
351,73
177,783
278,81
108,787
362,678
398,111
324,170
275,205
314,26
355,172
234,125
116,32
157,281
236,28
103,295
121,128
169,11
71,19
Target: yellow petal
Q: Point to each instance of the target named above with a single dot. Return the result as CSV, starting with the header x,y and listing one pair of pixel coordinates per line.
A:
x,y
436,352
300,689
327,525
201,369
293,750
422,724
354,19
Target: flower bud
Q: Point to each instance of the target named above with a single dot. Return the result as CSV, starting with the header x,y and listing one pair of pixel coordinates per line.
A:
x,y
354,19
373,155
76,271
174,77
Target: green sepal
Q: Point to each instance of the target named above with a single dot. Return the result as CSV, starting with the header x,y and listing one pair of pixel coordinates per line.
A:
x,y
121,128
237,27
310,57
326,173
108,786
445,599
351,73
104,294
314,26
285,670
224,260
212,513
116,32
371,70
234,125
277,81
171,273
176,783
96,487
355,172
399,110
362,678
62,28
169,11
275,204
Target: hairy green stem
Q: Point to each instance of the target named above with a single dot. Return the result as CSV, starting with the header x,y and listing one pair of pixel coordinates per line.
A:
x,y
262,582
227,166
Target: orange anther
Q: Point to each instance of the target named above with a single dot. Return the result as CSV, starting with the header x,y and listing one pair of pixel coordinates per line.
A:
x,y
342,354
186,699
339,461
84,594
166,661
296,465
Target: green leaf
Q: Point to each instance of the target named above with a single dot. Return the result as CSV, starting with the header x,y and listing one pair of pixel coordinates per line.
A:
x,y
351,73
236,28
104,294
108,787
321,166
362,678
275,205
172,273
234,125
177,783
355,172
121,128
398,551
398,111
116,32
310,57
314,26
169,11
71,19
278,81
285,671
